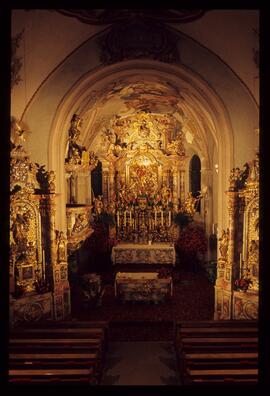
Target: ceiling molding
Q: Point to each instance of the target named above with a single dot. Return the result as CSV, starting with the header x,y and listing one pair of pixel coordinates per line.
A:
x,y
109,16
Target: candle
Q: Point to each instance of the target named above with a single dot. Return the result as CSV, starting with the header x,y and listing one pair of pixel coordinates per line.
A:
x,y
155,217
162,218
169,218
213,228
125,218
118,219
130,216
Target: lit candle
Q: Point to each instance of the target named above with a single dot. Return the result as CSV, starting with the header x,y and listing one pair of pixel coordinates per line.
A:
x,y
169,218
213,228
118,219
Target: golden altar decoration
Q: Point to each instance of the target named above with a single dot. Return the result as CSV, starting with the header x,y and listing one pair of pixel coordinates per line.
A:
x,y
156,253
239,247
142,286
144,157
39,287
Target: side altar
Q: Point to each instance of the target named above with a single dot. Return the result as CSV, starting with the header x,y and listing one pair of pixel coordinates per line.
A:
x,y
156,253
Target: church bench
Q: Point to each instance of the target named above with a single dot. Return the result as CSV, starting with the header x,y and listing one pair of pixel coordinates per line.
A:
x,y
69,324
221,356
217,323
59,333
45,376
233,375
74,328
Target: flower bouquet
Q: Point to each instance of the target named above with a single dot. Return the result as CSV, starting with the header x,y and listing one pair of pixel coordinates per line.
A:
x,y
242,284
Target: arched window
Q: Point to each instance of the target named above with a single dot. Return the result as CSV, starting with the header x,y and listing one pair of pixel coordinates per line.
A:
x,y
195,177
96,180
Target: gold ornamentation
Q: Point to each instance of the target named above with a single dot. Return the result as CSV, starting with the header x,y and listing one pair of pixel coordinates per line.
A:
x,y
224,244
61,246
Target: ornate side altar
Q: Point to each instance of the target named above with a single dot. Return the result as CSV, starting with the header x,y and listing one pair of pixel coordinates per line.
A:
x,y
142,286
156,253
39,285
237,284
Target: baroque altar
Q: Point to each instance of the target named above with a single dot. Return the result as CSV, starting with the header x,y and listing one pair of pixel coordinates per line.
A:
x,y
143,159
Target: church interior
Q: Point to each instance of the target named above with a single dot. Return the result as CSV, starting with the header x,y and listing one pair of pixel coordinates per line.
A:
x,y
134,197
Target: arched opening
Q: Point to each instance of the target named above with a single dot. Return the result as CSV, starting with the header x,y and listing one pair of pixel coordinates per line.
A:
x,y
195,178
96,180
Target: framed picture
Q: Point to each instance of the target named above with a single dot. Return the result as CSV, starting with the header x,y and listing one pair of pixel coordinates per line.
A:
x,y
27,272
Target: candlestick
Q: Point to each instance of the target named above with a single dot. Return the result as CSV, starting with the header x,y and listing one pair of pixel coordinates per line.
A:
x,y
130,216
162,218
169,218
118,219
155,217
213,228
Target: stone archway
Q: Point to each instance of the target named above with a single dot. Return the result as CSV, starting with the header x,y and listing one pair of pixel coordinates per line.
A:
x,y
205,109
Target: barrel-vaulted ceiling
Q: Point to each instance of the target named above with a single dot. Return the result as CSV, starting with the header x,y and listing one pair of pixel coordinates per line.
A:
x,y
162,99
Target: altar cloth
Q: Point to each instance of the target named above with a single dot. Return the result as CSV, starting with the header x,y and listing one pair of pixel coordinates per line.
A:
x,y
142,286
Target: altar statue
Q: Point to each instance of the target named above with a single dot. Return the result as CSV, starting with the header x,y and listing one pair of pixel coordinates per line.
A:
x,y
61,246
223,244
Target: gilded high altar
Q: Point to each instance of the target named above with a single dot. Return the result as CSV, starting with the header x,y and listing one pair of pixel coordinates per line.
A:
x,y
143,163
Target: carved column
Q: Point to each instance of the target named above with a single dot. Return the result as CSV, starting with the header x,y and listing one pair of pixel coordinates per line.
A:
x,y
105,186
56,271
111,183
174,190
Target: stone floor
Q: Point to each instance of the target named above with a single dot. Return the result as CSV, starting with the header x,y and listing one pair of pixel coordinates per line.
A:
x,y
140,363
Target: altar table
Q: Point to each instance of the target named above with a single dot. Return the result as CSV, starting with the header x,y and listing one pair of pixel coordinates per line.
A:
x,y
156,253
142,286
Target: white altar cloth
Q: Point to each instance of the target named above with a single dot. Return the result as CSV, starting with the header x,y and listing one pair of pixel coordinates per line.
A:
x,y
131,253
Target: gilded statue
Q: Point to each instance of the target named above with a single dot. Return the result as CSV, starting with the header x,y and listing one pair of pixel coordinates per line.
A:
x,y
190,204
235,177
224,243
20,227
51,181
166,194
98,204
74,154
80,223
61,246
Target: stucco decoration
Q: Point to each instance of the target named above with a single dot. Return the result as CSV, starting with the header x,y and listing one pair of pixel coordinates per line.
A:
x,y
16,61
139,39
101,16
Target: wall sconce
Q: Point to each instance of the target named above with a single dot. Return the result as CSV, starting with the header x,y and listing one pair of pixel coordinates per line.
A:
x,y
216,168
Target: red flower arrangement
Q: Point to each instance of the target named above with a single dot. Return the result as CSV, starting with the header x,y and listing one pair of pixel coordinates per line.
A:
x,y
192,240
242,284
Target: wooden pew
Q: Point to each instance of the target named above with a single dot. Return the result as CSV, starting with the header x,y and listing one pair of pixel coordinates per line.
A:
x,y
217,351
45,376
211,376
86,342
